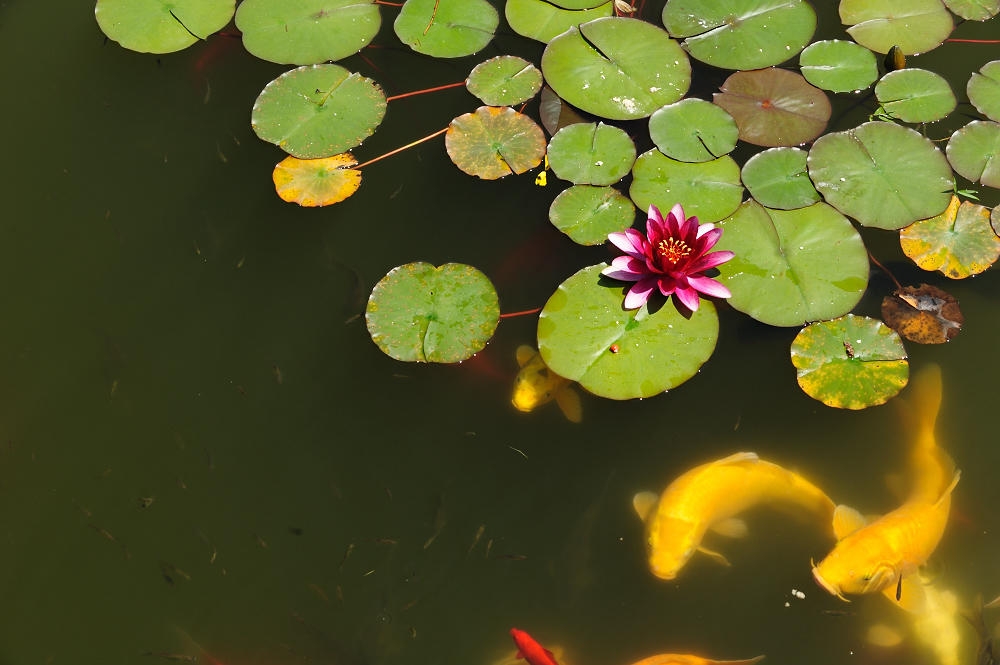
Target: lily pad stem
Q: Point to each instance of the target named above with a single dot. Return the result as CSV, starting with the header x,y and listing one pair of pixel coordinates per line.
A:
x,y
895,281
408,145
420,92
523,312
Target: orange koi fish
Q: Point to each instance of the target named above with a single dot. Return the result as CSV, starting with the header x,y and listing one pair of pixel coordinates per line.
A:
x,y
530,650
686,659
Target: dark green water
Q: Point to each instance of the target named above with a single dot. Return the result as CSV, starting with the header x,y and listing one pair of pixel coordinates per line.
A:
x,y
203,454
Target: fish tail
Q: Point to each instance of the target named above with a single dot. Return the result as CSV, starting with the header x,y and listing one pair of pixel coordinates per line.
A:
x,y
924,402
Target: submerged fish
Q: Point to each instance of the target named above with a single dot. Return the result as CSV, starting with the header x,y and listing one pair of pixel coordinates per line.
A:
x,y
536,385
530,650
709,496
989,651
687,659
876,556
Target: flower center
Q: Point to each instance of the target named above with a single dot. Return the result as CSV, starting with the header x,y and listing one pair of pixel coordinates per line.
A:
x,y
673,250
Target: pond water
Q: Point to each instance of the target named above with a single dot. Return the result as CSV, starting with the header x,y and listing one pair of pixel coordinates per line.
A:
x,y
202,453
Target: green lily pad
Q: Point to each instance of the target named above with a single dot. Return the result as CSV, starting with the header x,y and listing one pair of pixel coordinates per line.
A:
x,y
915,26
974,152
853,362
504,81
708,190
959,243
838,65
422,313
318,111
542,21
778,178
307,32
915,95
617,68
446,28
586,336
493,142
577,4
974,10
693,130
984,90
792,266
588,153
774,107
881,174
588,214
741,34
161,26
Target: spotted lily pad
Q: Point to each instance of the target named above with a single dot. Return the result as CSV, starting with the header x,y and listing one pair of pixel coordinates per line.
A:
x,y
792,266
161,26
984,90
318,111
974,152
741,34
316,182
588,153
446,28
838,65
617,68
541,20
915,95
923,314
588,214
778,178
710,190
881,174
504,81
852,362
693,130
494,141
586,336
774,107
959,242
422,313
915,26
307,32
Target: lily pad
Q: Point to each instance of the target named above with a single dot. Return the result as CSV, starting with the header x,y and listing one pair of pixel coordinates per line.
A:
x,y
307,32
589,153
915,26
915,95
542,21
853,362
774,107
586,336
493,142
793,266
617,68
446,28
924,314
741,34
974,152
974,10
881,174
693,130
422,313
588,214
984,90
838,65
959,243
778,178
554,112
316,182
504,81
708,190
318,111
161,26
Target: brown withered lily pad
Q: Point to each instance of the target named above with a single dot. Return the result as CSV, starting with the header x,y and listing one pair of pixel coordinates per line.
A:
x,y
923,314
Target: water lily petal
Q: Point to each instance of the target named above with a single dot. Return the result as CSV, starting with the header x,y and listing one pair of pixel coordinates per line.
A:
x,y
711,260
709,287
688,297
639,294
626,269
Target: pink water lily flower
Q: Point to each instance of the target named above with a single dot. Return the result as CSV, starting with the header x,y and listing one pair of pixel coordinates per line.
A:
x,y
673,257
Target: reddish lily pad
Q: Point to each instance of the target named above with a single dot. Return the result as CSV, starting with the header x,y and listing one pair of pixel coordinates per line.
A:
x,y
586,336
422,313
554,112
959,243
778,178
852,362
693,130
774,107
588,214
543,21
591,153
161,26
923,314
493,142
974,152
838,65
710,190
914,26
446,28
915,95
316,182
504,81
984,90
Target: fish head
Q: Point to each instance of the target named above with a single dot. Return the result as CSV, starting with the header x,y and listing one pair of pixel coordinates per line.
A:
x,y
843,573
535,385
670,542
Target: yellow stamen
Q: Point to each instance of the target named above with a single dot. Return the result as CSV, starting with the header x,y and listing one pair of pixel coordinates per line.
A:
x,y
673,250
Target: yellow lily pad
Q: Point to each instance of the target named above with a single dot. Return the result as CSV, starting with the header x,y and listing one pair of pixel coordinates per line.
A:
x,y
959,242
316,182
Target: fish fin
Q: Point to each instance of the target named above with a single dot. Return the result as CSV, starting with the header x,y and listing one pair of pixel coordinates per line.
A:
x,y
569,403
947,492
643,503
519,655
736,458
524,354
881,578
549,654
748,661
911,596
715,556
993,604
846,521
732,527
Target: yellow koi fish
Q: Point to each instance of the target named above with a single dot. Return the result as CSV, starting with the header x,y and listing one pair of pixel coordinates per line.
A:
x,y
872,557
709,496
536,385
686,659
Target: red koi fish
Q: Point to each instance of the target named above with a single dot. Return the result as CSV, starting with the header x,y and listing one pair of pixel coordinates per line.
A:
x,y
531,651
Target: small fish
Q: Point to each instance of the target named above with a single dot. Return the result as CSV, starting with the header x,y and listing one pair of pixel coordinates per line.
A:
x,y
536,385
876,556
687,659
710,496
530,650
